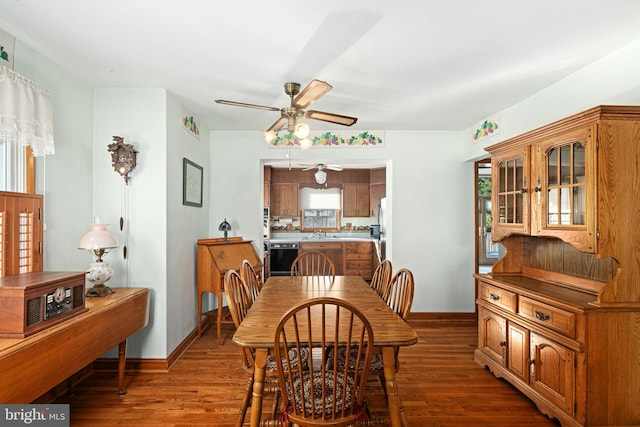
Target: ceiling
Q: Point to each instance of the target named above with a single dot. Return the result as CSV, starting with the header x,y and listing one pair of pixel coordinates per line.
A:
x,y
414,65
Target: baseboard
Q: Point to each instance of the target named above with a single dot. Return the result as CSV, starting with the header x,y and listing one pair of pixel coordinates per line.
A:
x,y
151,365
444,316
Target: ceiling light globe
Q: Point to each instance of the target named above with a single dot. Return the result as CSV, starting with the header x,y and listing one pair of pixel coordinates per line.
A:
x,y
269,136
321,177
305,143
302,130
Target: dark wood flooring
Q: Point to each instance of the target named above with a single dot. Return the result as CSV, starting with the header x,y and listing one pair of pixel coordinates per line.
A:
x,y
439,384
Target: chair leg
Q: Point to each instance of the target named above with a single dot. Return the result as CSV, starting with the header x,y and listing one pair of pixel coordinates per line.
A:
x,y
276,405
383,383
245,402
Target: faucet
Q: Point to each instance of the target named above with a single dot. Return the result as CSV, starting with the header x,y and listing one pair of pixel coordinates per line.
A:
x,y
318,235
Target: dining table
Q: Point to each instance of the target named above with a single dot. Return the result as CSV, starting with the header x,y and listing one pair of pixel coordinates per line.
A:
x,y
280,293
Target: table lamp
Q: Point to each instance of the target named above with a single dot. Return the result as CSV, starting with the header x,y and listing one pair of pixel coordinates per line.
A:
x,y
99,241
225,227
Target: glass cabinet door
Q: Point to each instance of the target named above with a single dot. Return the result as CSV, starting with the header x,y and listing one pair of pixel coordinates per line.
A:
x,y
567,188
509,194
566,185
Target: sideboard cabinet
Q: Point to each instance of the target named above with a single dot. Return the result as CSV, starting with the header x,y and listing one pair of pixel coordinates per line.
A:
x,y
559,313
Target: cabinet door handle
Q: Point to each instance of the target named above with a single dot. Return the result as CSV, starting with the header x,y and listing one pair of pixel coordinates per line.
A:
x,y
494,297
540,315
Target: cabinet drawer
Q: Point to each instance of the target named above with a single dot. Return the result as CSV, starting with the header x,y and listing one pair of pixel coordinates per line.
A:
x,y
359,257
315,246
358,248
358,265
551,317
498,296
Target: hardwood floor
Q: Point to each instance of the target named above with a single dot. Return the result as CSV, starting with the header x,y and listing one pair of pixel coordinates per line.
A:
x,y
438,381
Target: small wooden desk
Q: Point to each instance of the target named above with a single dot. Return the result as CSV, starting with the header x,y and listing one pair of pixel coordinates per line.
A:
x,y
32,366
281,293
215,258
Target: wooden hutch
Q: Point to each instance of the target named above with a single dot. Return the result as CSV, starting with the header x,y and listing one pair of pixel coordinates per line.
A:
x,y
559,314
215,258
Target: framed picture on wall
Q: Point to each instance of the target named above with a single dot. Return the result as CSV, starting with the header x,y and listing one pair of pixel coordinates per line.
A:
x,y
191,183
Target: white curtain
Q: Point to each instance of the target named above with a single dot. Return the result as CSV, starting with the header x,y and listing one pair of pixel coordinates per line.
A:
x,y
26,114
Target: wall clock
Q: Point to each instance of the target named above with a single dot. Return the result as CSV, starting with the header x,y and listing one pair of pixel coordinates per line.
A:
x,y
123,157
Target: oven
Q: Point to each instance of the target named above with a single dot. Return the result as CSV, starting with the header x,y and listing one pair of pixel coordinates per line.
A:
x,y
281,256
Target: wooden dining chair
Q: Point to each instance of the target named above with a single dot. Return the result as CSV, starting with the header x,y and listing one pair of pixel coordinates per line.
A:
x,y
399,297
313,263
382,277
251,279
399,294
324,394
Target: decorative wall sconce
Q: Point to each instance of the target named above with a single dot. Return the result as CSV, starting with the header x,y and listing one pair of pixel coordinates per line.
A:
x,y
123,157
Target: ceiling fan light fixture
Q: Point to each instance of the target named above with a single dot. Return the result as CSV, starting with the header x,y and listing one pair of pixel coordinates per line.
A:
x,y
269,136
305,143
314,90
302,130
321,176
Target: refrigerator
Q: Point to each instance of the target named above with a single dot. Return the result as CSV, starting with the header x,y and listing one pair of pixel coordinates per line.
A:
x,y
382,221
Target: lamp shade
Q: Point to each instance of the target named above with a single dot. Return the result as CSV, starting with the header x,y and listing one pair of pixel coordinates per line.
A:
x,y
321,177
98,238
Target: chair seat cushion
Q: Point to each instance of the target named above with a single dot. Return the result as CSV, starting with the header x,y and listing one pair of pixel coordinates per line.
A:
x,y
376,359
320,405
294,357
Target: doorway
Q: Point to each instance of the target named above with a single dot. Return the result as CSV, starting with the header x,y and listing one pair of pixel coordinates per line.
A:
x,y
487,252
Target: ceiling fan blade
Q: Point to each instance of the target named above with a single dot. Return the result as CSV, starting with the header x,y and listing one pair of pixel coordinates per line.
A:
x,y
334,168
314,90
308,169
277,125
242,104
331,117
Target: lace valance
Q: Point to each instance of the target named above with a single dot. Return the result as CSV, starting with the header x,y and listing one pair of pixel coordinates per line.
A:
x,y
26,113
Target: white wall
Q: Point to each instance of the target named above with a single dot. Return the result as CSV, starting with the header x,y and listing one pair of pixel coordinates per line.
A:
x,y
612,80
139,116
185,225
429,188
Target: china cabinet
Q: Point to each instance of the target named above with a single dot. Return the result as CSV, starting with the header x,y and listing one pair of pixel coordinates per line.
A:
x,y
559,313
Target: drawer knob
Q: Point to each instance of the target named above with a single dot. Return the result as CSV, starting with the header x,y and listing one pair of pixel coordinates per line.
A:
x,y
540,315
493,296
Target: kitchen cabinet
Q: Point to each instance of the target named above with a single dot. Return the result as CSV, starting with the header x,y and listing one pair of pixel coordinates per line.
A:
x,y
355,200
267,186
284,200
333,250
558,314
21,233
376,193
359,259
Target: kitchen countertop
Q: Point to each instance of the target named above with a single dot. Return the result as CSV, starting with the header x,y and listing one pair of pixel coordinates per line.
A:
x,y
331,237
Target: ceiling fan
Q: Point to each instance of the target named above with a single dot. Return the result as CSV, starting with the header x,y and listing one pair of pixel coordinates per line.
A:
x,y
321,175
290,115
